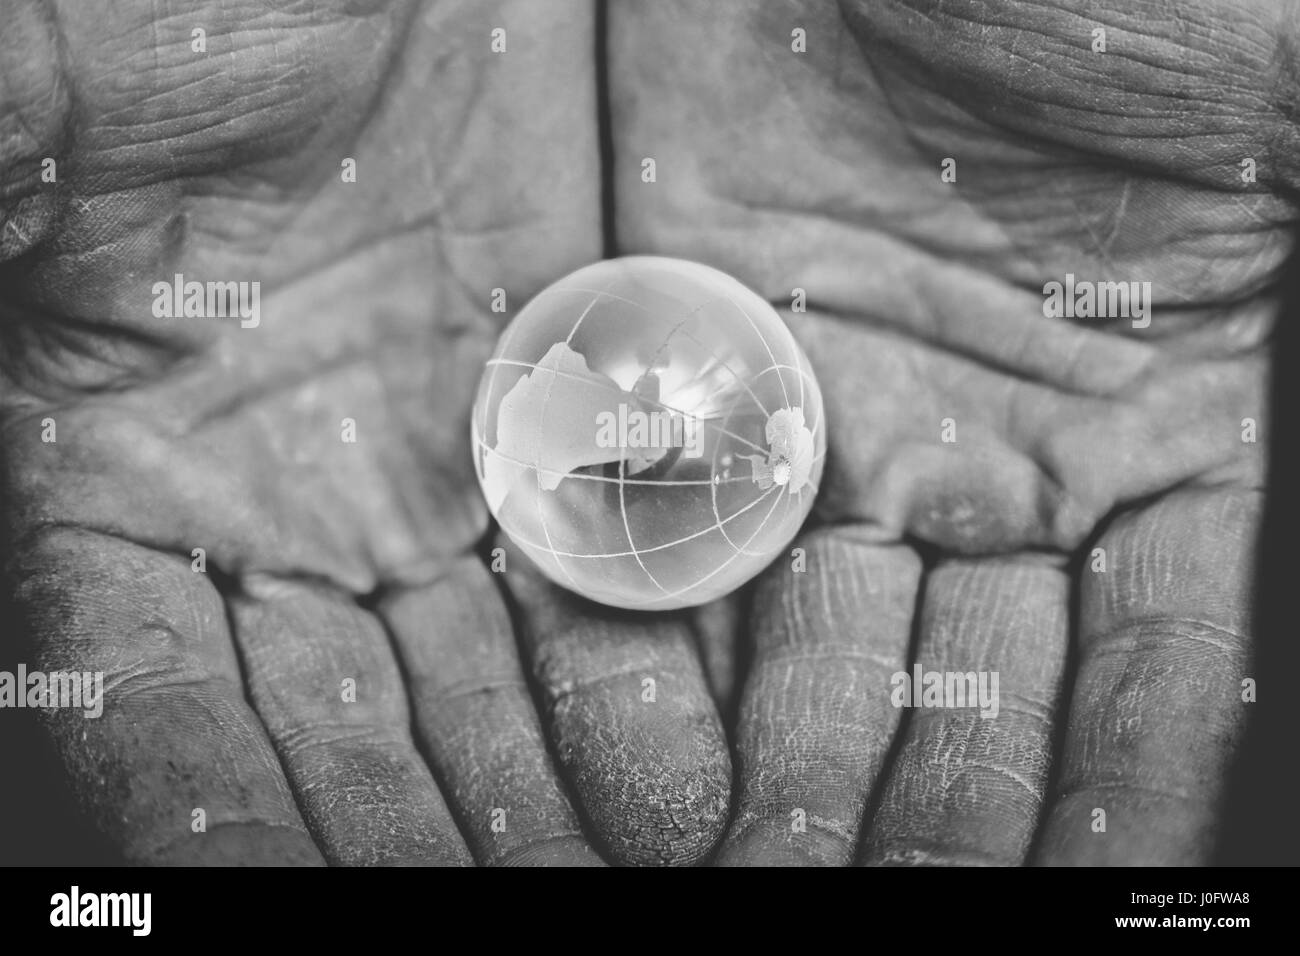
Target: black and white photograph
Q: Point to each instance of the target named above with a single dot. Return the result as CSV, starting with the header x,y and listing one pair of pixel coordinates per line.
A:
x,y
693,433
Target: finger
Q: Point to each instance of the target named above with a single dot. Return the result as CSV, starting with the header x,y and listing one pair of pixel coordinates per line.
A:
x,y
322,676
815,721
968,784
177,768
475,718
1157,708
631,720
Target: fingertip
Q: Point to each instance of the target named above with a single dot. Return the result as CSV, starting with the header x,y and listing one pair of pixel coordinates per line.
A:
x,y
775,842
249,843
563,850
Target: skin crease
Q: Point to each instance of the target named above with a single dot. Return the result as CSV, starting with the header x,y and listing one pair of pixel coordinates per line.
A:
x,y
330,560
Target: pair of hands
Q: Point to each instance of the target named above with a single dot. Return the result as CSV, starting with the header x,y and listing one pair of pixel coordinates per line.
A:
x,y
329,560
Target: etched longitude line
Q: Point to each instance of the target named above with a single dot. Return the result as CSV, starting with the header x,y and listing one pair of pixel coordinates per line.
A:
x,y
627,527
798,361
777,366
674,330
757,531
761,525
767,345
821,412
798,495
713,491
732,557
622,461
537,465
734,374
492,381
798,370
802,374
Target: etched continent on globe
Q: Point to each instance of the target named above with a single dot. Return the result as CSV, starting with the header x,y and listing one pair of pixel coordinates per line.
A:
x,y
649,433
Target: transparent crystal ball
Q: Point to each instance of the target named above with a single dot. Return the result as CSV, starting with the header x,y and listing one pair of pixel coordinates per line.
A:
x,y
649,433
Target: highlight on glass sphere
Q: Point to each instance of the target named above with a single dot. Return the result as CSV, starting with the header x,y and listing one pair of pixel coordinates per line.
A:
x,y
649,433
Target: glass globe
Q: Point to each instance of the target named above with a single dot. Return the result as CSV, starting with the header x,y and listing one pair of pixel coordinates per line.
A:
x,y
649,433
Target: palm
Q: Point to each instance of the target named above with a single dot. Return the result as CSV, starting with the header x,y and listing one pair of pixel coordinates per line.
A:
x,y
925,297
375,300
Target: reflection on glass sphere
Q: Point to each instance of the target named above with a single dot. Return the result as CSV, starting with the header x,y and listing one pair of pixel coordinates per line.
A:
x,y
649,433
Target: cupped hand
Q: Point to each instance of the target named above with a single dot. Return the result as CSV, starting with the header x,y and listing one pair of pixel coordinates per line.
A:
x,y
335,674
1070,504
